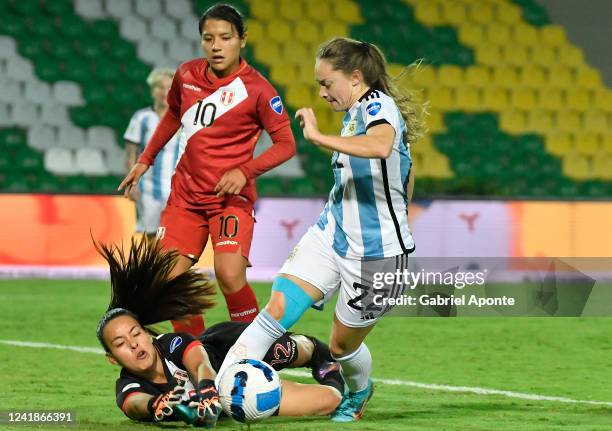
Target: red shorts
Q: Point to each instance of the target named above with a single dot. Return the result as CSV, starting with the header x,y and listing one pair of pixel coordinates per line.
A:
x,y
187,229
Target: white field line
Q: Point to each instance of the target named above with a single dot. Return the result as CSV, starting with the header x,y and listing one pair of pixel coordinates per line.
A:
x,y
392,382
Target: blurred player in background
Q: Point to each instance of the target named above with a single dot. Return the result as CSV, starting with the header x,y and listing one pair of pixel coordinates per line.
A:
x,y
153,191
363,220
223,105
176,368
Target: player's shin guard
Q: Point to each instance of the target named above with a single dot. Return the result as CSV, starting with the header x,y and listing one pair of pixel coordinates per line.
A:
x,y
242,305
356,368
254,341
193,326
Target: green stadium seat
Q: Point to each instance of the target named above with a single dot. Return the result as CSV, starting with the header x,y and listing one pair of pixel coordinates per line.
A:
x,y
59,7
12,26
26,7
72,26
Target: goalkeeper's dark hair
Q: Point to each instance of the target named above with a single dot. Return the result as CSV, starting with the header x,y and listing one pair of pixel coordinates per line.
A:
x,y
347,55
141,286
224,12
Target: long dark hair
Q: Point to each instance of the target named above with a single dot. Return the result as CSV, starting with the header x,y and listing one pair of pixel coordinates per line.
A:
x,y
142,288
347,55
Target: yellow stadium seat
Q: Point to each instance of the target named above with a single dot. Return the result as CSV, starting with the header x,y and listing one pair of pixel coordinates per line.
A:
x,y
568,121
347,11
532,76
333,29
515,55
606,143
498,34
559,143
571,56
587,77
436,165
308,32
298,95
422,145
603,100
471,34
553,35
586,143
428,13
560,77
468,99
283,73
525,34
550,98
450,75
396,70
504,76
602,167
435,121
453,13
255,31
539,121
279,31
480,13
542,55
478,76
577,166
489,55
512,121
522,98
424,77
263,9
306,74
290,10
441,98
319,10
508,13
578,99
297,53
495,98
596,121
267,53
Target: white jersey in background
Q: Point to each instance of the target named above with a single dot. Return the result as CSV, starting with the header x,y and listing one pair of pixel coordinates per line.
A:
x,y
365,215
154,185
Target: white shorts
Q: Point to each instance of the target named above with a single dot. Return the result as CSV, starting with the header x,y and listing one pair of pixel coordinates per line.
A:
x,y
314,260
148,211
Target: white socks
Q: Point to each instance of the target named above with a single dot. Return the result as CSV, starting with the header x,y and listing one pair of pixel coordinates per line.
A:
x,y
356,368
254,341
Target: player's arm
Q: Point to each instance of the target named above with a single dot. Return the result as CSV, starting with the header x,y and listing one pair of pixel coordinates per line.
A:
x,y
131,154
377,143
206,398
141,406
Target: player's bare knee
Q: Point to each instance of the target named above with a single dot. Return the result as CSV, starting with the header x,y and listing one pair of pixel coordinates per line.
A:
x,y
330,401
339,348
230,279
276,306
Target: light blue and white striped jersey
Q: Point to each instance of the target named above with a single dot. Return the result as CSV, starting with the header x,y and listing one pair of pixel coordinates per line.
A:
x,y
156,181
365,215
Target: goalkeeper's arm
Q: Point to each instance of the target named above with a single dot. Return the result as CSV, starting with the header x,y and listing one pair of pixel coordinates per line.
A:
x,y
140,406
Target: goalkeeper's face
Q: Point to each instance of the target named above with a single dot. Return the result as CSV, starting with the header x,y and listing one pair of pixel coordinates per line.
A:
x,y
130,345
337,88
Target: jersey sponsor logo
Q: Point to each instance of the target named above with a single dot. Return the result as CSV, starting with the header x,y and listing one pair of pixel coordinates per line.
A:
x,y
227,97
130,386
276,104
191,87
226,242
181,376
373,108
176,341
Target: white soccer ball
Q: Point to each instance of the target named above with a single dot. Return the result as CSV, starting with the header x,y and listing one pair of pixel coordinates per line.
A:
x,y
250,390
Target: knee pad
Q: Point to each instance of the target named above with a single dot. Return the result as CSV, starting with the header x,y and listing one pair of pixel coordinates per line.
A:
x,y
296,301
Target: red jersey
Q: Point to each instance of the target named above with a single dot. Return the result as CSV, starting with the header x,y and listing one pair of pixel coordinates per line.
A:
x,y
222,119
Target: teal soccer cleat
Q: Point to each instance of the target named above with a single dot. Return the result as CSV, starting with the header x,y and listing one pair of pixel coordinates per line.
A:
x,y
353,404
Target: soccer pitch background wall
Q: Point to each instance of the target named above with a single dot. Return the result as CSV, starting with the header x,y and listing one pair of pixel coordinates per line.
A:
x,y
50,235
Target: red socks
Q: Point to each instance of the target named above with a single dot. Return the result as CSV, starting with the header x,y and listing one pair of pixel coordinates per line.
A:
x,y
193,326
242,305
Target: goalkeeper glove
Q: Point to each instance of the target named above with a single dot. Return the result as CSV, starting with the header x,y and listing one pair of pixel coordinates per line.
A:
x,y
160,407
206,401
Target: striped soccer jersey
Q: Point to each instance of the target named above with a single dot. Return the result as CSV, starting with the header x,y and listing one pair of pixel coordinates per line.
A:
x,y
156,181
365,215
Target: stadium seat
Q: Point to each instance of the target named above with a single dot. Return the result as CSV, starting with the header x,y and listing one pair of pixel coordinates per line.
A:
x,y
180,50
453,13
523,98
307,31
68,93
481,13
441,98
115,160
587,77
477,76
24,114
553,35
596,121
4,114
90,9
577,166
256,31
71,137
100,137
559,143
54,115
133,28
450,75
515,55
278,31
428,13
20,69
586,143
532,76
283,73
264,10
267,53
525,35
550,98
498,34
42,137
38,92
507,13
578,99
495,99
512,121
89,161
347,11
148,8
332,29
571,56
60,161
468,99
505,77
539,121
602,100
560,77
542,55
162,27
471,35
568,121
8,47
290,10
178,8
152,51
488,55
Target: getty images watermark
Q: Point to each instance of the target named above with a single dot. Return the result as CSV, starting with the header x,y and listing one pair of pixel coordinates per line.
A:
x,y
481,287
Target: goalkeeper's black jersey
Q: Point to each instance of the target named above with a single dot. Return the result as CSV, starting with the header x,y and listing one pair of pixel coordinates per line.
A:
x,y
216,340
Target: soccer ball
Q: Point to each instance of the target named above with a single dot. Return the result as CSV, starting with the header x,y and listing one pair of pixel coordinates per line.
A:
x,y
250,390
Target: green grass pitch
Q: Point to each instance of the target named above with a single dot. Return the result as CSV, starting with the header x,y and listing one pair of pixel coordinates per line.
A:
x,y
564,357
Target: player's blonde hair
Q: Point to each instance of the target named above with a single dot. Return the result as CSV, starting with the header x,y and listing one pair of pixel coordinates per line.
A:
x,y
348,55
157,74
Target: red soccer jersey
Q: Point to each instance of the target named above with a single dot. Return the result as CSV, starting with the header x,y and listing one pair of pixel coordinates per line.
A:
x,y
222,120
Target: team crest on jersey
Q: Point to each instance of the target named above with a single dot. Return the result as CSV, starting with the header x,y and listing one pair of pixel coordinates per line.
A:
x,y
373,108
176,341
227,97
276,104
